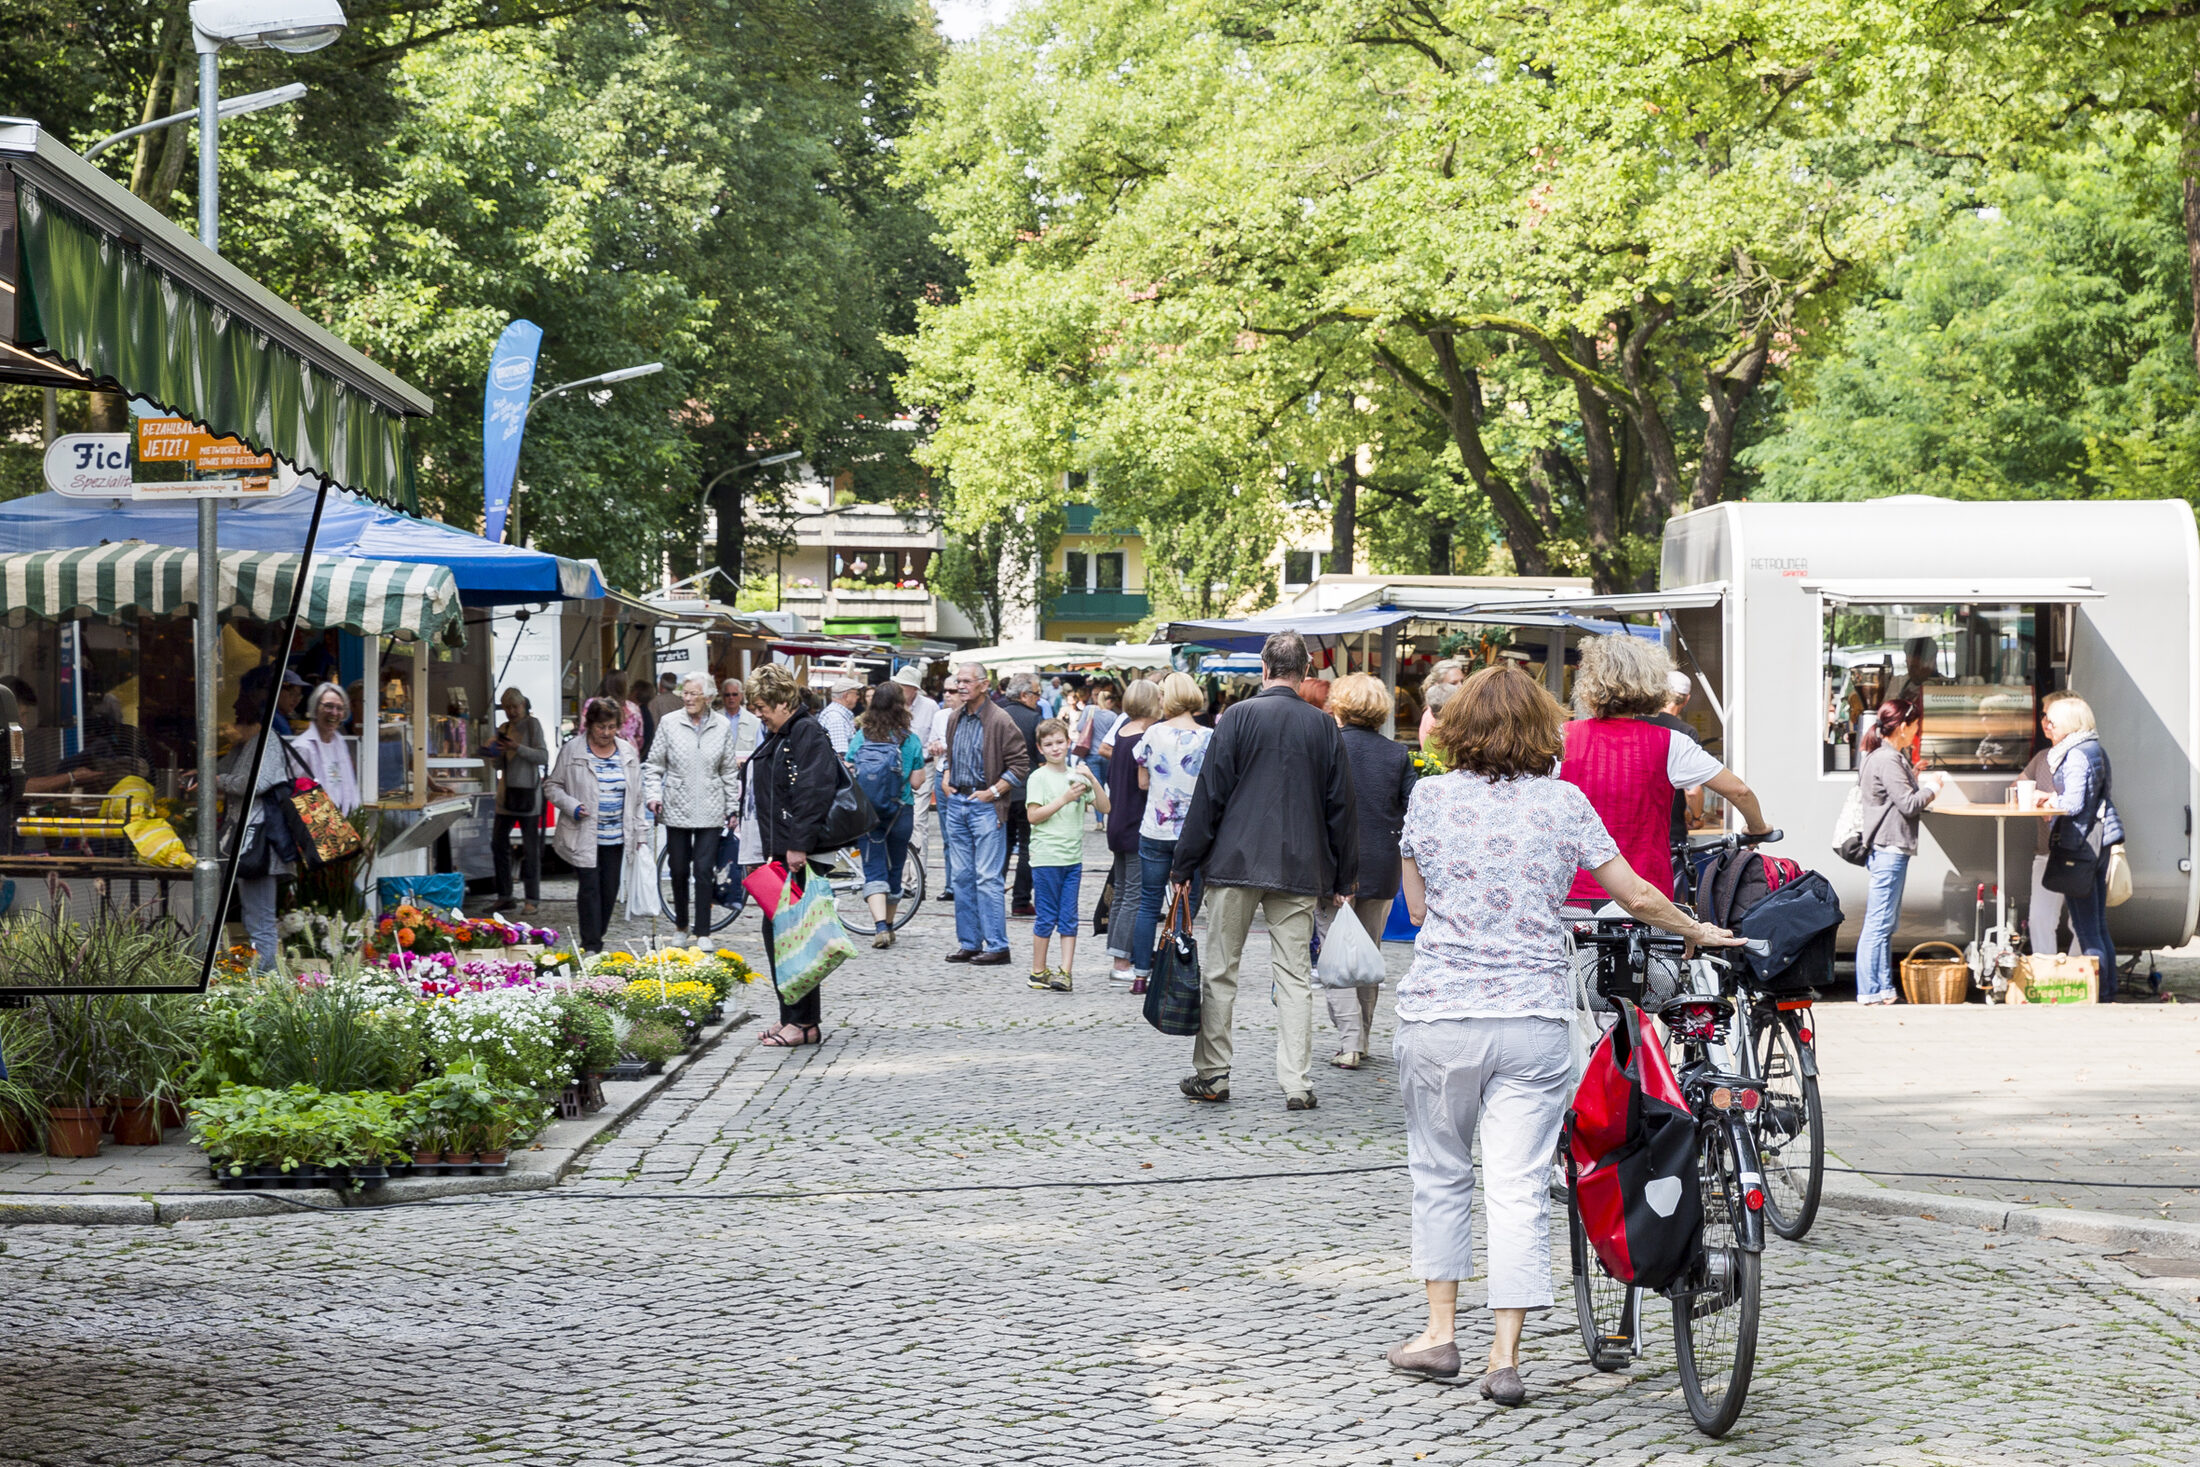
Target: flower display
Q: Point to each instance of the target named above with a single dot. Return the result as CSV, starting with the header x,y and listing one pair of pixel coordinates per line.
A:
x,y
408,928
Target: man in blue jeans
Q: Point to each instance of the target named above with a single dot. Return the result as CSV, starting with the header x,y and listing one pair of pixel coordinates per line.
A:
x,y
987,764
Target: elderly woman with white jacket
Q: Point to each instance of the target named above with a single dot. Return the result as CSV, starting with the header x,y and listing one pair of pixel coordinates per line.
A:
x,y
694,786
596,786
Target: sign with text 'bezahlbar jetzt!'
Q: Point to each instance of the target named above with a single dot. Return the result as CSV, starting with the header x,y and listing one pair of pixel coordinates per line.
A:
x,y
177,459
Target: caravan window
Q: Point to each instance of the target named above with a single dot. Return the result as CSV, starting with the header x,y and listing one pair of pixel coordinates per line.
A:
x,y
1975,669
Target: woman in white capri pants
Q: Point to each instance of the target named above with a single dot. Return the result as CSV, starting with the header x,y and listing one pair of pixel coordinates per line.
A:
x,y
1491,850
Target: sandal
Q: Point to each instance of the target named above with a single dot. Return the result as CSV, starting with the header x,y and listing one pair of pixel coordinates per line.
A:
x,y
777,1038
1347,1059
811,1034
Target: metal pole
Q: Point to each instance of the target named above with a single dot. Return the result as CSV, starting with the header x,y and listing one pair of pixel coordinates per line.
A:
x,y
206,869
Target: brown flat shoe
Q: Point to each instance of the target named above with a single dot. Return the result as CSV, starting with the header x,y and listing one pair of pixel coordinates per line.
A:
x,y
1504,1387
1439,1362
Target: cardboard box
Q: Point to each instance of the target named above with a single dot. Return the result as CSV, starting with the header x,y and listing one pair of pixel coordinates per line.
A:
x,y
2056,979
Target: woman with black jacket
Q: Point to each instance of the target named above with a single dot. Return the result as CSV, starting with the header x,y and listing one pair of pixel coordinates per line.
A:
x,y
791,779
1382,784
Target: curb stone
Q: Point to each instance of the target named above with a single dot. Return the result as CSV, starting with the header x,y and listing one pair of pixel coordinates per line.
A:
x,y
2107,1230
543,1165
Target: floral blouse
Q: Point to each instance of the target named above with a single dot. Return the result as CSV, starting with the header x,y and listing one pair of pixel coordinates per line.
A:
x,y
1172,759
1498,857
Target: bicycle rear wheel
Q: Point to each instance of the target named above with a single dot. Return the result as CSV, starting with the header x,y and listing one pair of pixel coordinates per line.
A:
x,y
728,895
1606,1309
1715,1314
1791,1132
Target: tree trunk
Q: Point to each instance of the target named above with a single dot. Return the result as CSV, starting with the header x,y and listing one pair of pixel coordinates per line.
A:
x,y
1726,387
1439,548
1463,416
726,499
1657,438
1600,479
1344,516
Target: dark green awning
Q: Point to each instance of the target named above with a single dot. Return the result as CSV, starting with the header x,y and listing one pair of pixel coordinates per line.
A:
x,y
103,285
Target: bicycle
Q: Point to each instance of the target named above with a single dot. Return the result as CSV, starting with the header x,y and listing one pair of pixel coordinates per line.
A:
x,y
1781,1041
1716,1302
843,872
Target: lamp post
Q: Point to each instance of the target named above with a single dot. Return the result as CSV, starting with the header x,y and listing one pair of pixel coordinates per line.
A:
x,y
702,500
601,379
227,107
295,26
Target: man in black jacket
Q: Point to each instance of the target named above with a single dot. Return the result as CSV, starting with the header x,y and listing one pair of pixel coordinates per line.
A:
x,y
1273,823
1022,708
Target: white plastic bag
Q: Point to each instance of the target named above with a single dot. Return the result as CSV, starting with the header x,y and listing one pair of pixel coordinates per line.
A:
x,y
643,897
1350,958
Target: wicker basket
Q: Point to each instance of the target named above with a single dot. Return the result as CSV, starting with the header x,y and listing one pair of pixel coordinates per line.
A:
x,y
1936,980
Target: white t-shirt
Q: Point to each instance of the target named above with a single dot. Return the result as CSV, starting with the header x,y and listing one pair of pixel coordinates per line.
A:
x,y
1687,763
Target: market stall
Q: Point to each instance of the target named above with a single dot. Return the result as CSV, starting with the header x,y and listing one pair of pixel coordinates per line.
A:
x,y
100,292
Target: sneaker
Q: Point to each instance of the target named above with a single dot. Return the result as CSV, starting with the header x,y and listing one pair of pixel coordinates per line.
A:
x,y
1043,979
1197,1089
1058,980
883,937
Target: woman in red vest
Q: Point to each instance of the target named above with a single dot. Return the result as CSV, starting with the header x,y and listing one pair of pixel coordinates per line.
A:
x,y
1629,767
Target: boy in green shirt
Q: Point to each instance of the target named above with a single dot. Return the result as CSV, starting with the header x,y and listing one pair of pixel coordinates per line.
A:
x,y
1056,797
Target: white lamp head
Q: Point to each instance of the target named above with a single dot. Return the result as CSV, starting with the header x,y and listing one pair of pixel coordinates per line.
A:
x,y
296,26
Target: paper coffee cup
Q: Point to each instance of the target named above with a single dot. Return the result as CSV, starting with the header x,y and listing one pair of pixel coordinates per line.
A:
x,y
2027,790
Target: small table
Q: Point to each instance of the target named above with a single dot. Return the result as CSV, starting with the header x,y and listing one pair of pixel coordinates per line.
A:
x,y
2001,815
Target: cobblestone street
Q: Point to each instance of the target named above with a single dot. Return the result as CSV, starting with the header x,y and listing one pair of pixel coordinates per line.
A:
x,y
645,1312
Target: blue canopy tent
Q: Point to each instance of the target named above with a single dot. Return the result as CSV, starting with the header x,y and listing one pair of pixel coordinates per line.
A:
x,y
487,574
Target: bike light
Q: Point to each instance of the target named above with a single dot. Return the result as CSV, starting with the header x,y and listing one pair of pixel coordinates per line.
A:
x,y
1805,1032
1755,1198
1751,1099
1722,1099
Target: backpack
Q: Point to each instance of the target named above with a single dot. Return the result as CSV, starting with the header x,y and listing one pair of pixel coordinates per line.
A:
x,y
1732,882
1631,1158
879,776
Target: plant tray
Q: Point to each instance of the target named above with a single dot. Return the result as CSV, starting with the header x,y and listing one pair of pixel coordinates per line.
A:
x,y
338,1177
458,1168
626,1069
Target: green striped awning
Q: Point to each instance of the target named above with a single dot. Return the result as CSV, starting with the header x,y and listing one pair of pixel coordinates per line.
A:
x,y
381,598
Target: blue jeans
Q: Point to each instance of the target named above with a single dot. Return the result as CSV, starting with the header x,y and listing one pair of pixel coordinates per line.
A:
x,y
1054,897
977,847
947,852
885,852
1882,909
2089,926
1153,891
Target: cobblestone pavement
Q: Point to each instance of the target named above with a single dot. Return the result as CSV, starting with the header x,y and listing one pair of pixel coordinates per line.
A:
x,y
657,1309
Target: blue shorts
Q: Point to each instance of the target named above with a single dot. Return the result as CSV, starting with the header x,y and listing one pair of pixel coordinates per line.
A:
x,y
1054,898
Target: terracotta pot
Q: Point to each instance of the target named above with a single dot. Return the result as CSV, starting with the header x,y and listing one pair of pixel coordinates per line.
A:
x,y
426,1158
458,1158
72,1130
489,1158
137,1123
16,1134
171,1115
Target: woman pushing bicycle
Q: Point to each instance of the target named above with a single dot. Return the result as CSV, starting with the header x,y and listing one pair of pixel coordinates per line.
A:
x,y
1483,1014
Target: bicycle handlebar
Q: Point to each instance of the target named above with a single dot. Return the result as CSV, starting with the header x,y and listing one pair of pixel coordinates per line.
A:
x,y
1731,840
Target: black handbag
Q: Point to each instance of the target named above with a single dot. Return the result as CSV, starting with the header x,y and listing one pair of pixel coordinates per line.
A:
x,y
1172,993
851,816
2072,870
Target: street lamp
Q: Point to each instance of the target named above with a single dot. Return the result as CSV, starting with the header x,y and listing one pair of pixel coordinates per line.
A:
x,y
296,26
702,547
601,379
226,107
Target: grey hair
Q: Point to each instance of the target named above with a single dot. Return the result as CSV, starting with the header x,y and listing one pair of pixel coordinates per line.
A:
x,y
698,679
313,700
1435,695
1284,657
976,667
1022,683
1620,676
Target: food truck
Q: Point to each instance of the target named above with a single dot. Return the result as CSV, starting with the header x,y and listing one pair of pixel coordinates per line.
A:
x,y
1795,620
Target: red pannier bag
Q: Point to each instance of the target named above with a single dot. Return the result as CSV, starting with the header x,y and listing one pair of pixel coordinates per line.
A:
x,y
1631,1152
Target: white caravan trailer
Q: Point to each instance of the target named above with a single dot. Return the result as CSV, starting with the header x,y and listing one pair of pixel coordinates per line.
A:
x,y
1793,617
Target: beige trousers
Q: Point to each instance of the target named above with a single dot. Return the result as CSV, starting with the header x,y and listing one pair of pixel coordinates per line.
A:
x,y
1290,917
1352,1010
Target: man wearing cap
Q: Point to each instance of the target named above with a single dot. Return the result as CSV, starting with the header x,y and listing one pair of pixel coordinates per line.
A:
x,y
839,717
668,699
